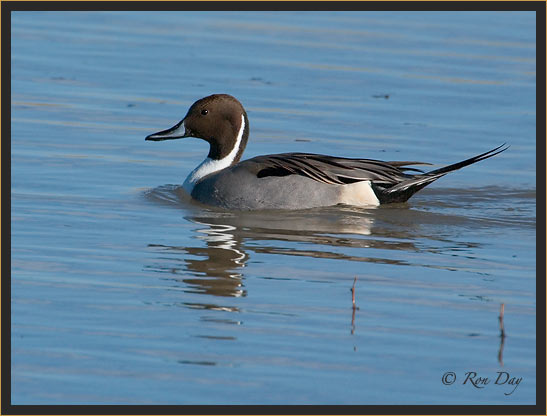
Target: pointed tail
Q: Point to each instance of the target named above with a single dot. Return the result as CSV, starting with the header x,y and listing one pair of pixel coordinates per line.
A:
x,y
404,190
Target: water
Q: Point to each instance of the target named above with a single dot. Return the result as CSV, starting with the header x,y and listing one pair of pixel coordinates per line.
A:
x,y
124,291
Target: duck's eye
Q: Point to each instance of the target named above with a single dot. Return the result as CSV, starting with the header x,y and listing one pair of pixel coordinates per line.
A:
x,y
204,112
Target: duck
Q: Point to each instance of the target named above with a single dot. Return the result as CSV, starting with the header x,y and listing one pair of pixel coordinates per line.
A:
x,y
288,181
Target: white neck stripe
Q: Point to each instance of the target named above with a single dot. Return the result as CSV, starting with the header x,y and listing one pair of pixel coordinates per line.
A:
x,y
209,165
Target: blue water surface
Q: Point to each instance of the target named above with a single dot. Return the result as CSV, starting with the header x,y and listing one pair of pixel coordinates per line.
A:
x,y
124,291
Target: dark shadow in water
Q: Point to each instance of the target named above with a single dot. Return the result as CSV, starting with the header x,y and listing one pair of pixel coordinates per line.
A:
x,y
224,240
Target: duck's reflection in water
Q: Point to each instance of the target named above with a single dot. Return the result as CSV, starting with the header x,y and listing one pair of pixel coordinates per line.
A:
x,y
213,269
225,241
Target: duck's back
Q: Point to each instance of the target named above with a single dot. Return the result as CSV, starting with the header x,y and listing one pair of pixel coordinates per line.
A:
x,y
242,187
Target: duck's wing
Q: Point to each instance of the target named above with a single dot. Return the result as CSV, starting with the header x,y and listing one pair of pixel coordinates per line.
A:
x,y
332,170
389,180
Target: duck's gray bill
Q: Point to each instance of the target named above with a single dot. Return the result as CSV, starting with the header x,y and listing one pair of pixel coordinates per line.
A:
x,y
178,131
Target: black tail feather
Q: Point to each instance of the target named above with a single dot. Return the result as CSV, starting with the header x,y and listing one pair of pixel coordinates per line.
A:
x,y
402,191
470,161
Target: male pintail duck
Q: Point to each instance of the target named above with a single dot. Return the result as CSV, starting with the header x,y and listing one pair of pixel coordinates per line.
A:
x,y
287,180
